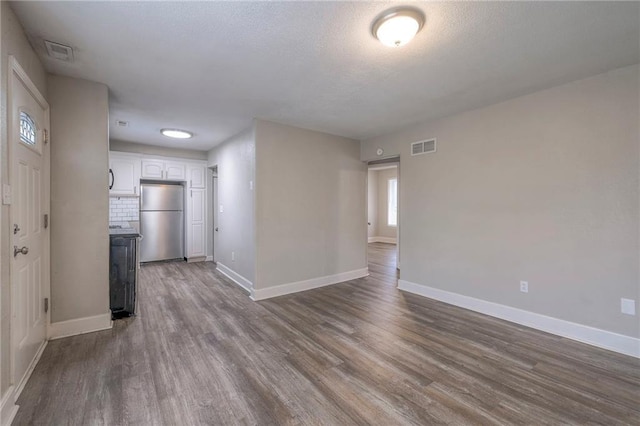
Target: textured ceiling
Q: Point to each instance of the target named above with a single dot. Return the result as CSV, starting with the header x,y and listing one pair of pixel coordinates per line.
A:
x,y
211,67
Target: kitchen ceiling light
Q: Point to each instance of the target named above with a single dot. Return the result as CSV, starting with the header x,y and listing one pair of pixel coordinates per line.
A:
x,y
176,134
396,27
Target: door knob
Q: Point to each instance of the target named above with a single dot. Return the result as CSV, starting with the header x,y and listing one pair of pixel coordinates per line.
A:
x,y
17,251
216,229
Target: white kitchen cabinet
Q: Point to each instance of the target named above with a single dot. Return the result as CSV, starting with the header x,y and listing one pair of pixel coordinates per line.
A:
x,y
124,174
163,169
196,223
197,176
175,170
152,169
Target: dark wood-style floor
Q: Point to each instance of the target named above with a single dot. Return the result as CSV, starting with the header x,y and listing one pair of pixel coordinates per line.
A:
x,y
361,352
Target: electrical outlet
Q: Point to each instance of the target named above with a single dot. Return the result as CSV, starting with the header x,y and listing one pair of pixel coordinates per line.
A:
x,y
233,256
221,208
250,185
628,306
524,286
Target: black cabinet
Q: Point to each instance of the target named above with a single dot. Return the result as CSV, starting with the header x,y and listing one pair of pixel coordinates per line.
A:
x,y
122,276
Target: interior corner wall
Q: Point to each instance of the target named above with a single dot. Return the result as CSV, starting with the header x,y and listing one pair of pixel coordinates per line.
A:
x,y
15,43
542,188
79,198
311,205
236,162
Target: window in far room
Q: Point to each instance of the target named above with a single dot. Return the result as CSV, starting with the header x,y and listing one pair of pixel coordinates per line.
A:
x,y
392,203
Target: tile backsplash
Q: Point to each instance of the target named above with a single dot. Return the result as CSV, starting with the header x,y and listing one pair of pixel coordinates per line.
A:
x,y
123,209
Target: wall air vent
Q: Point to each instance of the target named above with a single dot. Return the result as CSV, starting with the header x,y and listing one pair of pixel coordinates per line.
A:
x,y
122,123
59,51
423,147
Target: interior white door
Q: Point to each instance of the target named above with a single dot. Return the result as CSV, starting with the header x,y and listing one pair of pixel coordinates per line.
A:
x,y
29,124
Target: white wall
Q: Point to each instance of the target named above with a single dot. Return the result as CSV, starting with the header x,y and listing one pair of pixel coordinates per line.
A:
x,y
542,188
79,198
236,161
311,205
139,148
14,42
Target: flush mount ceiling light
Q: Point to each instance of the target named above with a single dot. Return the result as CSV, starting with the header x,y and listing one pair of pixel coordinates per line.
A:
x,y
396,27
176,133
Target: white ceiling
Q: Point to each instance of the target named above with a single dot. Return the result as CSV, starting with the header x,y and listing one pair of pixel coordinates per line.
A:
x,y
210,67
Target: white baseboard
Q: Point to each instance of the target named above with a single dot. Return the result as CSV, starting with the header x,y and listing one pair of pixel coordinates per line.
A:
x,y
58,330
582,333
196,259
8,407
388,240
295,287
209,259
235,277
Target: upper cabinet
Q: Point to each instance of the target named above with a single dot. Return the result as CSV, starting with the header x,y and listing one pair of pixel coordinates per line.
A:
x,y
127,170
197,176
175,170
163,169
152,169
124,174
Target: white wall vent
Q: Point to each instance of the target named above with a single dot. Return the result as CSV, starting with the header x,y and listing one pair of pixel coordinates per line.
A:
x,y
423,147
59,51
122,123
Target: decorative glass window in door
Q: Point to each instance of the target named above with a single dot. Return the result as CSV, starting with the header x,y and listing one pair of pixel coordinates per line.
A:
x,y
27,129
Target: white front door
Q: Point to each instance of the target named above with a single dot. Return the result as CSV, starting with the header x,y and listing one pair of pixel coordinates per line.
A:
x,y
28,128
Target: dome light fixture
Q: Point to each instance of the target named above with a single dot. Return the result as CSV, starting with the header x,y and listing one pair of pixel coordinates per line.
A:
x,y
396,27
176,133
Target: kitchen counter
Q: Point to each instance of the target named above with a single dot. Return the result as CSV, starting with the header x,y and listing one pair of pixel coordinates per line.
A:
x,y
121,229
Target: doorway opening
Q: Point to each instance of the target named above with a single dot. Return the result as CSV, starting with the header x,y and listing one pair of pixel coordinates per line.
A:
x,y
383,213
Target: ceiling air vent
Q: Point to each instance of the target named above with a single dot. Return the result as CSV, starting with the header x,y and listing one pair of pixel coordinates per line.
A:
x,y
423,147
59,51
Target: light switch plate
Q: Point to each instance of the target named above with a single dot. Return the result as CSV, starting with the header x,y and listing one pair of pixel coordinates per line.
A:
x,y
628,306
6,194
221,209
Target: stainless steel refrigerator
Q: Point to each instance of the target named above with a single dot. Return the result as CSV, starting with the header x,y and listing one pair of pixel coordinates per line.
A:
x,y
161,222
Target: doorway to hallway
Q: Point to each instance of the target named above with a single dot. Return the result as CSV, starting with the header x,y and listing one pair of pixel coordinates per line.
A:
x,y
383,261
383,213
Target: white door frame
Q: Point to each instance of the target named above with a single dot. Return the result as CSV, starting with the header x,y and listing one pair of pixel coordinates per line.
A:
x,y
17,72
214,216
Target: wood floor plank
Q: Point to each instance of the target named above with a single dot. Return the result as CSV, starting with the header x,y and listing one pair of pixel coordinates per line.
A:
x,y
361,352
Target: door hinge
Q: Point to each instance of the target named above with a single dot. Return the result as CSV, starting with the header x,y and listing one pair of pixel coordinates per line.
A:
x,y
45,136
46,221
46,305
